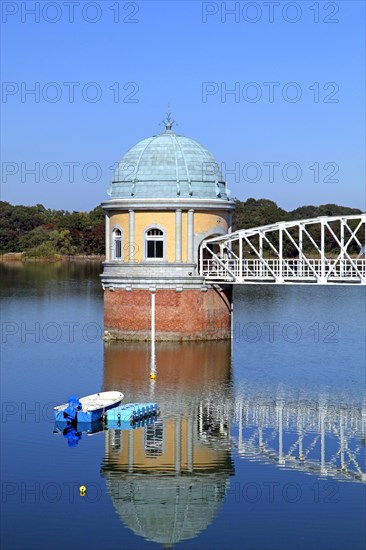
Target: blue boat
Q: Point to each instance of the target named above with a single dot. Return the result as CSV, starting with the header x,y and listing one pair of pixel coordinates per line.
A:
x,y
73,431
89,428
87,409
131,413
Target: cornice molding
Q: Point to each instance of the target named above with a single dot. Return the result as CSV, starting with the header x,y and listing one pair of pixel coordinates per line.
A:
x,y
167,204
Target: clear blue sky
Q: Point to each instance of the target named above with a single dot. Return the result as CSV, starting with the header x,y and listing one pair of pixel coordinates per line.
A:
x,y
165,52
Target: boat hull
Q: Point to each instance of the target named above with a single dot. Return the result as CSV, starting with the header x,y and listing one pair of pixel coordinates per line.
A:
x,y
93,407
81,416
85,427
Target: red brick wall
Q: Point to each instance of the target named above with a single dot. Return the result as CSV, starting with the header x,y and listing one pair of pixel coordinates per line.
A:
x,y
186,315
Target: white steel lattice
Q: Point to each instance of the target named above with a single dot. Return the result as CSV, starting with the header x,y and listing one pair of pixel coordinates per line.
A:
x,y
311,434
325,250
322,439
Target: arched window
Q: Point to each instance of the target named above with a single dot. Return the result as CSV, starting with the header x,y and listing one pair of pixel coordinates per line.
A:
x,y
154,439
117,244
154,244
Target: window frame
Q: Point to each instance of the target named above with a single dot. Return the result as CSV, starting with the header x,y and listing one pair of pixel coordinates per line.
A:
x,y
116,239
158,238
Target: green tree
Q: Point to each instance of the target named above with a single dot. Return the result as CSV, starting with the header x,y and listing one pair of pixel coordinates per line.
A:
x,y
61,241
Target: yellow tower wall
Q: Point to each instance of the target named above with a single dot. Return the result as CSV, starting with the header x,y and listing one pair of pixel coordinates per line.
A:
x,y
204,222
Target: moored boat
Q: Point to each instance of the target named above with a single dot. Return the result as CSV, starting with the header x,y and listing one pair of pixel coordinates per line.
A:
x,y
131,413
89,408
89,428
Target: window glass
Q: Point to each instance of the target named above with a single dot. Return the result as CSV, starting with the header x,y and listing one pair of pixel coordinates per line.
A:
x,y
158,249
153,439
117,244
155,243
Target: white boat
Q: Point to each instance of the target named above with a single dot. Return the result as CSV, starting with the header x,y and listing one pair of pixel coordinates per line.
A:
x,y
89,408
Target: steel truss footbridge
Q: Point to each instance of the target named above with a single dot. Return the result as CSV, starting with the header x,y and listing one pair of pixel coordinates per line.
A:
x,y
311,434
325,250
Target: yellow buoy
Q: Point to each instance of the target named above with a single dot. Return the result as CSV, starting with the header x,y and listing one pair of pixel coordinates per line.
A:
x,y
82,490
152,375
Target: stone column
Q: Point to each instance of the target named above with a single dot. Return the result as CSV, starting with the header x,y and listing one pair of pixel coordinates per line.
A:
x,y
190,443
190,236
178,236
177,444
130,451
107,238
131,237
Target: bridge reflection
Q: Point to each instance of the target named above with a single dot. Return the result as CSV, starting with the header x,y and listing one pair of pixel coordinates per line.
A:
x,y
314,436
168,480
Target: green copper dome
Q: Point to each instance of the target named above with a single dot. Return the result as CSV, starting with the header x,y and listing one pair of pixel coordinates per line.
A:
x,y
168,166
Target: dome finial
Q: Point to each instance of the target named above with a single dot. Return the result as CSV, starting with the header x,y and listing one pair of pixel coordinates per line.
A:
x,y
168,122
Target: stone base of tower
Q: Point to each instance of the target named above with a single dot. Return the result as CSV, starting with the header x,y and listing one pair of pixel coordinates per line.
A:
x,y
187,315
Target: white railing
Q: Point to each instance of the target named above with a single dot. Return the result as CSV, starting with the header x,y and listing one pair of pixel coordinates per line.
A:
x,y
240,257
324,439
286,269
309,434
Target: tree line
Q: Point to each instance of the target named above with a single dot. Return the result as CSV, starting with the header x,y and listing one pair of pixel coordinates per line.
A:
x,y
42,232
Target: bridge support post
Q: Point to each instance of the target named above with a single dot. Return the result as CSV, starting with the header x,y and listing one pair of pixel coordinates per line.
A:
x,y
322,441
322,253
240,260
261,254
341,436
301,258
342,249
281,459
280,253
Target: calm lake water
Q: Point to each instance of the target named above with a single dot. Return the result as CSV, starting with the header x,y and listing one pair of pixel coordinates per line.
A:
x,y
260,443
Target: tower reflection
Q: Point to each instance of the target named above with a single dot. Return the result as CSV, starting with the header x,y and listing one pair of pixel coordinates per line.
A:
x,y
168,479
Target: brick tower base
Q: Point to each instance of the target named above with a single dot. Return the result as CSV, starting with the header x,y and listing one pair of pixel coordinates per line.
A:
x,y
187,315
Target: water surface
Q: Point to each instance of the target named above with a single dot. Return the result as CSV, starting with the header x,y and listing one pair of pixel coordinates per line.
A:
x,y
260,443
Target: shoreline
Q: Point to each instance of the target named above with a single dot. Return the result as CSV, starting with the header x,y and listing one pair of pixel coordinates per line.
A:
x,y
18,257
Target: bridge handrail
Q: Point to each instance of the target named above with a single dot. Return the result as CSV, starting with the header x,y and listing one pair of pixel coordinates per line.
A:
x,y
237,267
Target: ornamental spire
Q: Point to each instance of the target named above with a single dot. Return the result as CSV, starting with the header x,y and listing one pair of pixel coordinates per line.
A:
x,y
168,122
